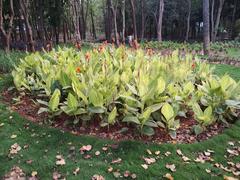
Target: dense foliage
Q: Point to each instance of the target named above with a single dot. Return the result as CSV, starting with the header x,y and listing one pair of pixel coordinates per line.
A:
x,y
129,87
171,45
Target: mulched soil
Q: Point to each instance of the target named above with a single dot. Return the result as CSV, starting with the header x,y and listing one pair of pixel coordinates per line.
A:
x,y
28,109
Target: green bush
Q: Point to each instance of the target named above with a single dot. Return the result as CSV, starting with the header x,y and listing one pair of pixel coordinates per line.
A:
x,y
126,86
8,60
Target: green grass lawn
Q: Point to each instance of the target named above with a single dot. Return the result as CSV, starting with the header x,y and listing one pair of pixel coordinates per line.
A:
x,y
234,53
44,143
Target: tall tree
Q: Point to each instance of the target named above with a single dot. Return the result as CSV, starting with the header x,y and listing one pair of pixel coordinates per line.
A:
x,y
123,20
143,16
24,5
212,18
219,12
206,27
114,14
6,34
40,21
75,4
160,18
188,19
233,18
134,22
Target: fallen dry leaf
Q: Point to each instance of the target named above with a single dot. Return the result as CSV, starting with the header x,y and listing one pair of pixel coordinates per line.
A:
x,y
110,169
167,153
149,152
149,160
238,165
168,176
76,171
171,167
87,156
104,148
34,173
56,175
206,153
229,178
185,159
232,152
179,152
116,161
13,136
60,160
236,173
98,177
14,149
231,143
97,153
133,176
126,174
116,174
145,166
15,173
208,171
86,148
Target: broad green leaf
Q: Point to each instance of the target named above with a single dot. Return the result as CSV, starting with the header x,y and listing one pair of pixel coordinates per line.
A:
x,y
97,110
72,101
55,100
112,116
208,112
167,111
77,89
161,85
132,119
148,131
95,98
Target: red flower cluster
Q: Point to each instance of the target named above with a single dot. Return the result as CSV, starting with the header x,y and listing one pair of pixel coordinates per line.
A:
x,y
88,56
149,52
193,65
78,45
78,70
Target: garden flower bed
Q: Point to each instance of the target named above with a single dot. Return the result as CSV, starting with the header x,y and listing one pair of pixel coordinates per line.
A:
x,y
129,92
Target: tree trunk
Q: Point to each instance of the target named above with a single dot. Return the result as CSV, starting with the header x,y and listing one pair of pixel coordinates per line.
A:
x,y
160,17
212,19
123,20
75,5
93,25
5,35
188,19
233,19
64,32
219,12
40,21
114,15
108,21
24,10
206,25
142,18
134,18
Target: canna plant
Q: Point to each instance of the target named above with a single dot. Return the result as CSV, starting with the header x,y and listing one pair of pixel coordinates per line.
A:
x,y
119,85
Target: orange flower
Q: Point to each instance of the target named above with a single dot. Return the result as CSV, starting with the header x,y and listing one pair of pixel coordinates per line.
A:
x,y
78,70
78,45
105,42
87,56
149,52
193,65
101,49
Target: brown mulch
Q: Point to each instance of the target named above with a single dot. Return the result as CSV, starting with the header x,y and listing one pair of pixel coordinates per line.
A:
x,y
28,109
